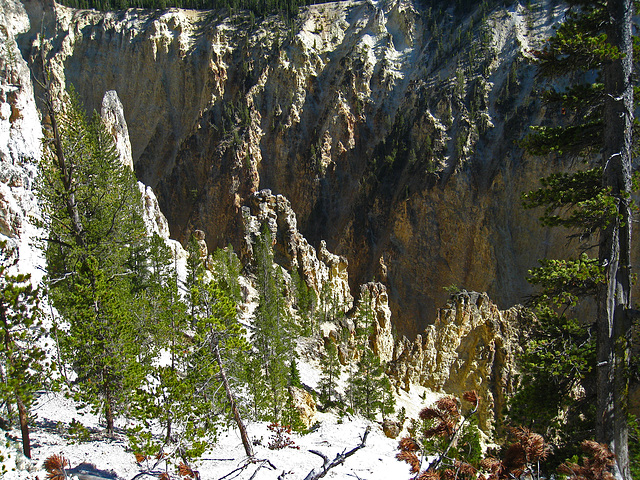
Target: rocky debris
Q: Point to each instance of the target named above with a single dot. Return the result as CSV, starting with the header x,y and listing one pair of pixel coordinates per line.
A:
x,y
472,346
391,428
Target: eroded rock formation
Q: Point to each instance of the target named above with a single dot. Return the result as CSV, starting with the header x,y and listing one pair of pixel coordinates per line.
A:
x,y
471,346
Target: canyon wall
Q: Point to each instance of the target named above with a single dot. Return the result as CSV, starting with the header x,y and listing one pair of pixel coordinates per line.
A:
x,y
390,127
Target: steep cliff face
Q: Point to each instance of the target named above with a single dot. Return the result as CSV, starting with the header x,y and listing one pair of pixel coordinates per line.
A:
x,y
389,126
20,141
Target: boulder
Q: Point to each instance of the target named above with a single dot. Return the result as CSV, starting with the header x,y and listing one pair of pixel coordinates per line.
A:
x,y
304,403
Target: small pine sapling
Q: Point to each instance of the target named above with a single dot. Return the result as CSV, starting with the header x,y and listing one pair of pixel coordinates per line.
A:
x,y
330,373
23,363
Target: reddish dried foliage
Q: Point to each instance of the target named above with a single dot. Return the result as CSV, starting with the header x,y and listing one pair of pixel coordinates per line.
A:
x,y
164,476
595,467
408,444
465,469
140,458
447,414
429,475
532,443
428,413
410,458
471,396
448,405
185,470
449,474
55,467
280,438
491,465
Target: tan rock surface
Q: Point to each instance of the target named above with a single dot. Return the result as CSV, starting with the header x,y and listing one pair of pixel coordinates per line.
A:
x,y
472,346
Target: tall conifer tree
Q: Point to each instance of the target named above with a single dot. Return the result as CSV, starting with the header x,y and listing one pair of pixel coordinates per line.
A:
x,y
596,37
92,214
23,366
272,336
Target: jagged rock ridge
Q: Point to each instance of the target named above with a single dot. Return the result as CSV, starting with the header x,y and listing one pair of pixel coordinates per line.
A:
x,y
472,345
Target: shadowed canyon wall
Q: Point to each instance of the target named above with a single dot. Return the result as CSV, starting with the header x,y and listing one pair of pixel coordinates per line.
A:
x,y
391,127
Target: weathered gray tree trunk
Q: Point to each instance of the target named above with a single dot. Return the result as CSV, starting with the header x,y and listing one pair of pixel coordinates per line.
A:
x,y
614,325
23,415
246,442
65,170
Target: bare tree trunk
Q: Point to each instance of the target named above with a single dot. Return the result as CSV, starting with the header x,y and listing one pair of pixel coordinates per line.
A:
x,y
24,426
614,324
108,413
248,448
66,169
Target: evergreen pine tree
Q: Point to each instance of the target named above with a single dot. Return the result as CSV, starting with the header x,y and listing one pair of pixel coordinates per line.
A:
x,y
595,201
305,301
368,382
272,335
23,368
217,354
164,396
330,373
92,214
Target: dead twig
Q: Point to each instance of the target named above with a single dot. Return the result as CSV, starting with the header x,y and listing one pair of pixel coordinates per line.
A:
x,y
245,464
338,460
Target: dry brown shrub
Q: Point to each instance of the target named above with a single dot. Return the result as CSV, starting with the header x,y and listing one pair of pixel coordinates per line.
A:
x,y
448,405
428,413
465,468
429,475
55,467
410,458
594,467
408,444
449,474
185,470
491,465
471,396
532,443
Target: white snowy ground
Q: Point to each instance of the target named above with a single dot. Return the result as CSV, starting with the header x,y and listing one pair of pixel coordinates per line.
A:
x,y
111,458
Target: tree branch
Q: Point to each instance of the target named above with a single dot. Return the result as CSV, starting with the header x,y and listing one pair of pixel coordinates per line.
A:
x,y
339,460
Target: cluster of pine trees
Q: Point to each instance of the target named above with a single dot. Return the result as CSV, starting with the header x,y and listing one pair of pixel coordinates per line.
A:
x,y
134,341
286,8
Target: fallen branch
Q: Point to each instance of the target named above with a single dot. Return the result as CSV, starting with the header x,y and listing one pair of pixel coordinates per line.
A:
x,y
339,460
245,464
